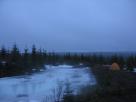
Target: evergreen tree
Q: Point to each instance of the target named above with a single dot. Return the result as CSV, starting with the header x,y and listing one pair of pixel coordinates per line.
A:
x,y
33,50
15,54
3,53
34,55
114,58
121,62
26,57
130,62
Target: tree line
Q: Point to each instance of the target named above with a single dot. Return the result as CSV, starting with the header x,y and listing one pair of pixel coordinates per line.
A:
x,y
15,62
128,62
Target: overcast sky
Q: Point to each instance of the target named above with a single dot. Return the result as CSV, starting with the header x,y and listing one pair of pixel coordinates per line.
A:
x,y
69,25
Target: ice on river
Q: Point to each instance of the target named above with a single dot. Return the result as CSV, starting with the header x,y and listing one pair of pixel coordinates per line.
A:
x,y
46,86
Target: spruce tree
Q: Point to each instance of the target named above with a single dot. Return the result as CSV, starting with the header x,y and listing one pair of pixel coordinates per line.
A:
x,y
34,55
3,53
15,54
130,63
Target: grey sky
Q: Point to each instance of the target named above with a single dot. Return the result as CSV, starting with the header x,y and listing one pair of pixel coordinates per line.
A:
x,y
69,25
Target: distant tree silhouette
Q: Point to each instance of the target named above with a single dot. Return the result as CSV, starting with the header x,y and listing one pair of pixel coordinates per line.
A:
x,y
34,55
15,54
3,53
130,62
25,58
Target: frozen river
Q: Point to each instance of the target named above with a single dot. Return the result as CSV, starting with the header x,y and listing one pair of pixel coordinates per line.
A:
x,y
46,86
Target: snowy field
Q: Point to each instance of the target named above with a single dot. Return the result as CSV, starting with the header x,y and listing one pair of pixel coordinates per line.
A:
x,y
46,86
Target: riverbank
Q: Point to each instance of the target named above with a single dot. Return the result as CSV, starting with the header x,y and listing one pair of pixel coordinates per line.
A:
x,y
115,86
112,86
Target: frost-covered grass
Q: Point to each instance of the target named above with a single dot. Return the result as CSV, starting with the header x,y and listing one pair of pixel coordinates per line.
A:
x,y
46,86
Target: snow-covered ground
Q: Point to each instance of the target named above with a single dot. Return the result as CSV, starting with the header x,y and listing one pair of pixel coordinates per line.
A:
x,y
45,86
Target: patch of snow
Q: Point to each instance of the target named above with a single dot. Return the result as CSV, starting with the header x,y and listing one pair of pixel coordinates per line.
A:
x,y
81,64
64,66
45,86
3,63
135,70
33,69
